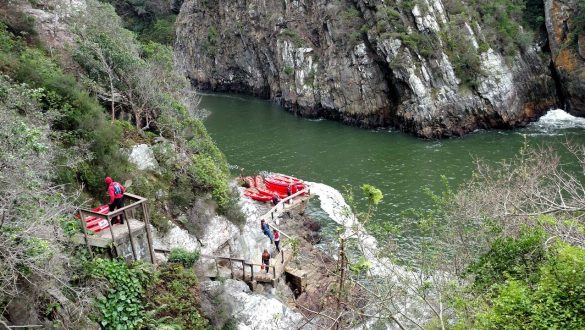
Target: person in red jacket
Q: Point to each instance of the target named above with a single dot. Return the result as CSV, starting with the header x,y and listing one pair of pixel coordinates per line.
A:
x,y
116,192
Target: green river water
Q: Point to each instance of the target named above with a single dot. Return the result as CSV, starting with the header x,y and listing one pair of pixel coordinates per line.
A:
x,y
257,135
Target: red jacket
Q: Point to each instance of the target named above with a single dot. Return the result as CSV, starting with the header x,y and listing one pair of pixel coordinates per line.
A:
x,y
112,191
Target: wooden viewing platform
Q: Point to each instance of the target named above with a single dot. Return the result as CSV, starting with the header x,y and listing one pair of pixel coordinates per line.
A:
x,y
133,239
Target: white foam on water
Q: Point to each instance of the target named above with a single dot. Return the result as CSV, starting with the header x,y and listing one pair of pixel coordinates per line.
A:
x,y
558,119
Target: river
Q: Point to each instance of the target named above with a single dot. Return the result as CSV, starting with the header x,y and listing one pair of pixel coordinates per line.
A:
x,y
257,135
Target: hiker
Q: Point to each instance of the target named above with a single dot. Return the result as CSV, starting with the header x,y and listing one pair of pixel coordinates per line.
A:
x,y
266,230
116,192
275,199
266,259
276,235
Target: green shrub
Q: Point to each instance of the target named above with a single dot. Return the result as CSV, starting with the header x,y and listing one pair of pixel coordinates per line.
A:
x,y
174,299
288,70
510,258
161,31
122,307
294,37
184,257
208,174
557,301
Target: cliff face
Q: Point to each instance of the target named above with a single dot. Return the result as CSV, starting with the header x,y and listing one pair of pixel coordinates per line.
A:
x,y
567,44
417,65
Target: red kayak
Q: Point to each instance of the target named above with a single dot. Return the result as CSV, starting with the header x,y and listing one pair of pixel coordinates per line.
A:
x,y
97,224
257,195
250,181
259,182
280,184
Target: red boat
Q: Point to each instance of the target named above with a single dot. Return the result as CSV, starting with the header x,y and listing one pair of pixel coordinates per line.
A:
x,y
280,183
257,195
264,189
250,181
259,182
97,224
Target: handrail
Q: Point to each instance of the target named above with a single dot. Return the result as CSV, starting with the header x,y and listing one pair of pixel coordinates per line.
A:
x,y
298,193
139,200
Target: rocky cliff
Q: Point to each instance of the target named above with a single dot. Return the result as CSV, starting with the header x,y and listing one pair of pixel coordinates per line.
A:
x,y
565,23
432,67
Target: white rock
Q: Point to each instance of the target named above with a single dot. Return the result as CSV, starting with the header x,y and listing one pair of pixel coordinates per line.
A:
x,y
175,237
143,157
253,311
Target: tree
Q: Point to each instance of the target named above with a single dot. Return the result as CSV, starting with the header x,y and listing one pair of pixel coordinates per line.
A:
x,y
108,52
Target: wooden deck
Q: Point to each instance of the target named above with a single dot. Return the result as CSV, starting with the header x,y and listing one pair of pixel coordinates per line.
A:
x,y
104,238
121,238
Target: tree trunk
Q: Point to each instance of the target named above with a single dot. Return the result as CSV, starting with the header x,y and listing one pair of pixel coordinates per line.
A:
x,y
112,100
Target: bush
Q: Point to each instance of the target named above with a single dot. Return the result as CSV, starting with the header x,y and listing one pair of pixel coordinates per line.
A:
x,y
122,307
510,258
174,299
184,257
557,302
208,174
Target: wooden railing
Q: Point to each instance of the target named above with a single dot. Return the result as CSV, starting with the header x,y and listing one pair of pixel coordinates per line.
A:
x,y
282,207
136,202
244,264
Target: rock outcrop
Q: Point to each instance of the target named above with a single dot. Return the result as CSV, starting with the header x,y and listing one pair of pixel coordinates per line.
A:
x,y
365,62
567,46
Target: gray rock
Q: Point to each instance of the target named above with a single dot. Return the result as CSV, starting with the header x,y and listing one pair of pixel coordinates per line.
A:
x,y
249,310
314,58
143,157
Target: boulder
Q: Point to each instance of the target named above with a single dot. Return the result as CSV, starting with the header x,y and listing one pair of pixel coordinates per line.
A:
x,y
143,157
247,309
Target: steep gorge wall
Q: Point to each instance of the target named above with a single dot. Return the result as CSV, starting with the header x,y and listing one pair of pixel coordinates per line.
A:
x,y
365,62
567,46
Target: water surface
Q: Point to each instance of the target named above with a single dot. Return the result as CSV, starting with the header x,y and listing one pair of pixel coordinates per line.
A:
x,y
257,136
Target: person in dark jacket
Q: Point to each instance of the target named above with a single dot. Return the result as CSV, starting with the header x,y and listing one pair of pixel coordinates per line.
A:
x,y
275,199
266,230
266,259
116,192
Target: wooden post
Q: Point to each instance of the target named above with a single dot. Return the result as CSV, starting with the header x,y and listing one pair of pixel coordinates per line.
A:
x,y
274,272
251,272
282,255
112,233
243,272
130,235
146,216
82,221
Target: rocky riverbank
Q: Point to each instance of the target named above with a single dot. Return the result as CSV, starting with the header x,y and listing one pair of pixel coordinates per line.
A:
x,y
427,68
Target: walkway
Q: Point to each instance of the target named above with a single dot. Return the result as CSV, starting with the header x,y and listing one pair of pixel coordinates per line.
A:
x,y
251,272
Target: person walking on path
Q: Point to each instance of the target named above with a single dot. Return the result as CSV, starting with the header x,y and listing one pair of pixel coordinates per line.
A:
x,y
266,259
116,192
276,240
266,230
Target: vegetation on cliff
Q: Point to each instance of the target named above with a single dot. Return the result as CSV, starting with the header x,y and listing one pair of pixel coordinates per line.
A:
x,y
68,118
